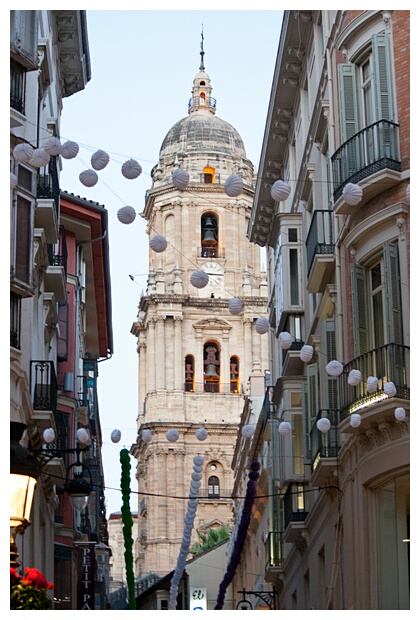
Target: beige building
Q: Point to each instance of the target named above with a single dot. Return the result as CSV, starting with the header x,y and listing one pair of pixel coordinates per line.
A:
x,y
330,529
197,360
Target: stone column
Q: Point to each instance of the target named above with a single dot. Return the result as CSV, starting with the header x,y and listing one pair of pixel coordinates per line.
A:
x,y
160,353
246,361
178,360
151,349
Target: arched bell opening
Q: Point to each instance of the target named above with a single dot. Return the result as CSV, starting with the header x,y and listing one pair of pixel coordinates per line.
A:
x,y
189,373
211,364
209,235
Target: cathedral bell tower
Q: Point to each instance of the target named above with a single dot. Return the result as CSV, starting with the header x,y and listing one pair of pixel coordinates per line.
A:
x,y
197,359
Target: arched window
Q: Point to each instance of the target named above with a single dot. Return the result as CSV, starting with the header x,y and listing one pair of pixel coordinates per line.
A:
x,y
202,98
189,373
209,235
234,374
211,365
213,487
209,174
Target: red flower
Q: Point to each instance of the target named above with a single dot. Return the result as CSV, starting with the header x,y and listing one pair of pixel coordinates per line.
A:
x,y
14,576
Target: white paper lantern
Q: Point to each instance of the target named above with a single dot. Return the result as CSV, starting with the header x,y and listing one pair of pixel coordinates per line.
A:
x,y
399,414
390,389
53,146
99,160
334,368
355,377
285,428
131,169
355,420
372,384
234,185
126,215
198,460
115,435
199,278
262,325
196,476
158,243
352,194
285,339
197,468
13,180
201,434
48,435
195,485
69,149
83,435
23,153
235,305
248,430
306,353
88,178
407,193
146,435
180,178
323,425
172,435
39,158
280,191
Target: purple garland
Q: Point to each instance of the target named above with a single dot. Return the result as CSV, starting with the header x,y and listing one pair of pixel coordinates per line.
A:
x,y
241,534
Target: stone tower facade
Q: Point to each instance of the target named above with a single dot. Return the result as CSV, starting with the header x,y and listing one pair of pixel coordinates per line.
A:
x,y
197,360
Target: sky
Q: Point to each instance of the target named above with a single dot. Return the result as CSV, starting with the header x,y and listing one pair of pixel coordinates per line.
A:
x,y
143,65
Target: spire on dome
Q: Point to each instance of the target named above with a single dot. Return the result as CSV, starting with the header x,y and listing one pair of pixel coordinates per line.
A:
x,y
201,100
202,49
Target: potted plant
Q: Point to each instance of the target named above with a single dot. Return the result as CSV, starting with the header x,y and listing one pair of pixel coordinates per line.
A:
x,y
29,591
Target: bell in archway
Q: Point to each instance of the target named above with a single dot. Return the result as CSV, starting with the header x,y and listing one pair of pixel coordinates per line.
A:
x,y
211,371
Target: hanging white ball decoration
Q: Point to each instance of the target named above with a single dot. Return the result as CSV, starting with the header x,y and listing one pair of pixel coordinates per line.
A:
x,y
13,180
285,339
131,169
235,305
352,194
23,153
53,146
323,425
69,149
48,435
180,178
262,325
355,420
280,191
198,460
390,389
126,215
306,353
201,434
199,278
399,414
285,428
233,185
355,377
158,243
248,430
88,178
372,384
196,476
99,160
407,193
334,368
83,435
146,435
115,435
172,435
39,158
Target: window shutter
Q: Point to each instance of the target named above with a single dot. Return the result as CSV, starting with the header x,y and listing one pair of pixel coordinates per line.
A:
x,y
393,293
360,309
313,394
329,346
383,77
349,112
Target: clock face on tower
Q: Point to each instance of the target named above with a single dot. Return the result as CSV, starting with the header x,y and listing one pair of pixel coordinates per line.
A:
x,y
215,273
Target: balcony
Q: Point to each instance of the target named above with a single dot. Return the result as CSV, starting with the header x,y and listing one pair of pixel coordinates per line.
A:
x,y
43,391
292,364
294,512
370,158
324,447
47,206
210,252
320,248
274,555
388,363
197,102
212,388
56,272
215,495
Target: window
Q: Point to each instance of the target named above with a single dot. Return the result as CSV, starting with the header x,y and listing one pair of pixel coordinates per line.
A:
x,y
23,240
62,577
63,324
15,313
234,374
213,487
189,373
211,367
209,236
209,174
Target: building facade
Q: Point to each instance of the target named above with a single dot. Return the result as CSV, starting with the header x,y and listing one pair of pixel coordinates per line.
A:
x,y
197,360
333,439
60,301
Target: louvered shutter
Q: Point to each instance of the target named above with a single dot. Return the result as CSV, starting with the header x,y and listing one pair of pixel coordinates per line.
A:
x,y
383,77
313,393
360,309
394,313
329,346
349,110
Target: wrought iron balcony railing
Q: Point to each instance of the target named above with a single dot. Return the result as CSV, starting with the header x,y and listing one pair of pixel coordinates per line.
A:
x,y
48,184
196,101
291,510
320,238
325,445
212,388
295,346
210,252
43,385
372,149
274,555
57,253
388,363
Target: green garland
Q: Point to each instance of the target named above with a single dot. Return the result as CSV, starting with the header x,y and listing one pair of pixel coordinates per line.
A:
x,y
127,520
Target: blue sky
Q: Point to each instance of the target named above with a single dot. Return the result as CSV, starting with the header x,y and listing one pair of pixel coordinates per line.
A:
x,y
143,65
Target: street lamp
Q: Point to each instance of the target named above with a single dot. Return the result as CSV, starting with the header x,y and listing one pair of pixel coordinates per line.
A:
x,y
24,472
